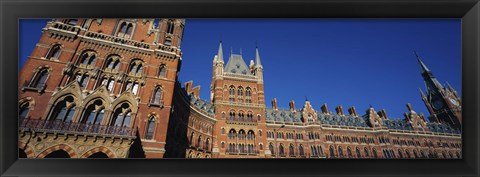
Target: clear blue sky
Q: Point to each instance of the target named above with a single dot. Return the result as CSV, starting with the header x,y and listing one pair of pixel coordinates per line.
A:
x,y
348,62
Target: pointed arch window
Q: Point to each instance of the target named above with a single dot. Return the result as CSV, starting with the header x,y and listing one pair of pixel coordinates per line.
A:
x,y
88,58
64,110
113,62
150,128
291,150
94,113
349,152
365,151
24,110
281,150
40,79
301,151
357,150
121,116
332,152
170,27
136,66
374,152
82,80
270,146
157,97
54,52
162,71
125,30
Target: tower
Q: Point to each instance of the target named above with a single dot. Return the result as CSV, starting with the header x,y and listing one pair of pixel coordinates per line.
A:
x,y
108,81
238,97
443,103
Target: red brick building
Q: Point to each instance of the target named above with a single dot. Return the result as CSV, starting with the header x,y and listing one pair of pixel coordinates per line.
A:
x,y
96,88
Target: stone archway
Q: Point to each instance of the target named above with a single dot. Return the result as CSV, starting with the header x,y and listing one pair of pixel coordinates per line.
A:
x,y
58,154
98,152
71,153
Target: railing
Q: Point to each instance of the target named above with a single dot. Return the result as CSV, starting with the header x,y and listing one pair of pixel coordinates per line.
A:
x,y
117,40
65,27
74,127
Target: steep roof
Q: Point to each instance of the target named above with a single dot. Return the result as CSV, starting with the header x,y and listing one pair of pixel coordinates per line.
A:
x,y
237,65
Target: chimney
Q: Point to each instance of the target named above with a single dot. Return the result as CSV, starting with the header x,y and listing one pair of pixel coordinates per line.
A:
x,y
383,114
188,86
196,91
352,111
339,110
274,104
292,106
325,108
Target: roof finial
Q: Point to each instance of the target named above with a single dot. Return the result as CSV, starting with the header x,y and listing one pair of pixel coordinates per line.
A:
x,y
257,58
231,50
220,52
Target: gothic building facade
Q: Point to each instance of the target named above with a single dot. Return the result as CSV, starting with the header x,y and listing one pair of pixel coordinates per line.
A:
x,y
108,88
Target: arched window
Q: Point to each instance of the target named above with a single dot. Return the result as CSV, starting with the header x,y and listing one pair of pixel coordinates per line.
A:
x,y
125,30
422,154
170,27
349,152
191,138
136,66
365,151
232,115
109,83
24,110
121,116
88,58
207,144
223,144
301,151
40,79
232,134
281,150
150,128
250,135
340,152
54,52
261,146
113,62
162,71
248,91
415,154
332,152
400,154
157,98
231,93
270,146
407,152
64,110
357,150
199,141
93,113
82,79
240,91
241,134
374,152
291,150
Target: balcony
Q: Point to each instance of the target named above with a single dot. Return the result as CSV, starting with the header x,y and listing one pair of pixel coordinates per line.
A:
x,y
58,126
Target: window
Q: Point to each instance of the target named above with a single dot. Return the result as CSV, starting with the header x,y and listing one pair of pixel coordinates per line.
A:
x,y
113,62
24,109
39,80
340,152
82,80
281,150
150,128
121,116
291,150
54,52
374,152
357,150
365,151
170,27
349,152
271,148
125,30
64,110
248,92
157,98
162,71
332,152
301,151
136,66
88,58
223,144
93,113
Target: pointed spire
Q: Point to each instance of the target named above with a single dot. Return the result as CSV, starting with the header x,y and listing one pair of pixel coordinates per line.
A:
x,y
421,92
220,52
257,58
422,65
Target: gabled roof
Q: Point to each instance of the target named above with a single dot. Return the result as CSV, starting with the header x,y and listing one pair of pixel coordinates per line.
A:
x,y
237,65
202,105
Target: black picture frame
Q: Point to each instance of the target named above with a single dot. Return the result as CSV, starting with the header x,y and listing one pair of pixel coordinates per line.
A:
x,y
11,11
